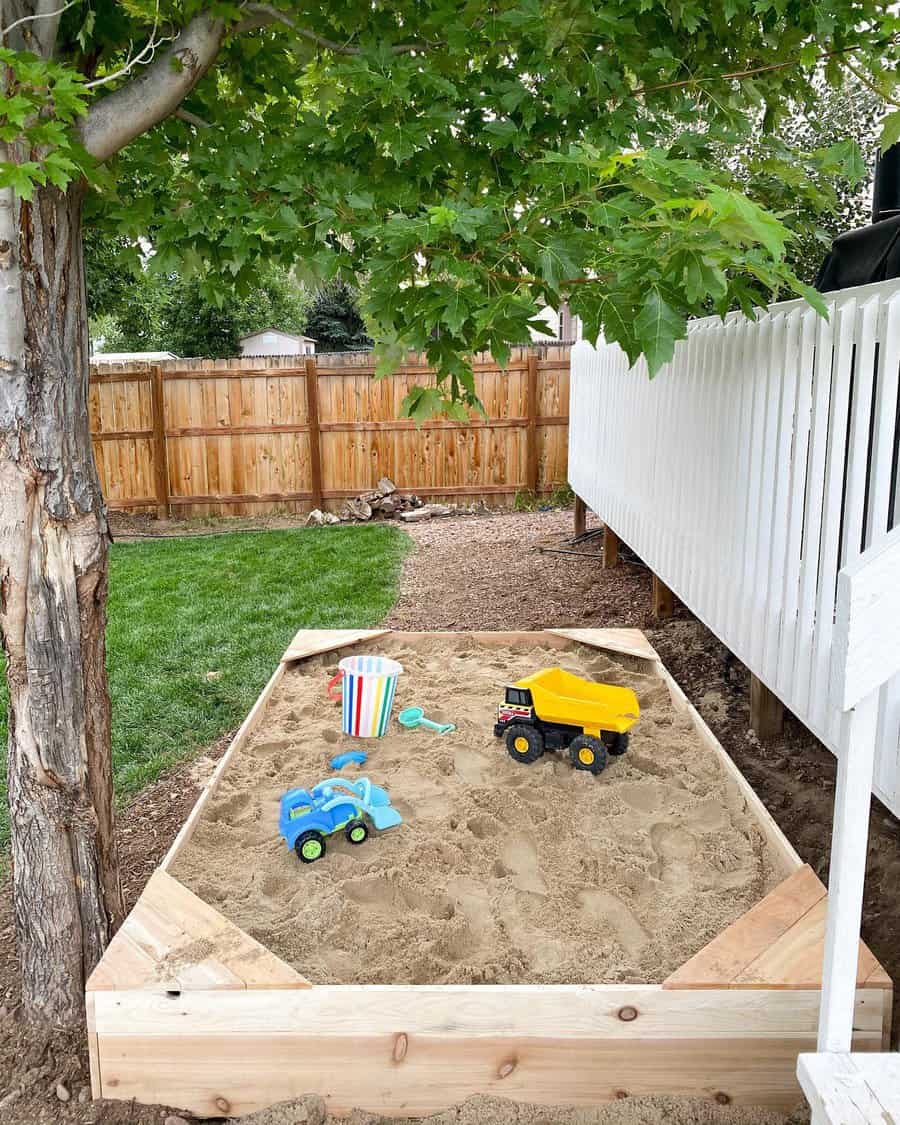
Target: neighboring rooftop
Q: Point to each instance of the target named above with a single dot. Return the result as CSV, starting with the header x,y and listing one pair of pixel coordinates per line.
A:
x,y
278,332
275,341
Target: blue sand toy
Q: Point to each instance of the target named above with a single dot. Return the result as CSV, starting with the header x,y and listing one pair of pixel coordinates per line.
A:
x,y
358,756
414,717
309,815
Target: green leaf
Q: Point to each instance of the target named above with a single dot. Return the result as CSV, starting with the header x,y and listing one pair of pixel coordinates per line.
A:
x,y
703,278
22,178
890,130
17,109
746,222
657,327
456,310
421,404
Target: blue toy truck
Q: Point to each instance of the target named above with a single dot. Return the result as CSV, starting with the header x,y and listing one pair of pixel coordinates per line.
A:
x,y
307,816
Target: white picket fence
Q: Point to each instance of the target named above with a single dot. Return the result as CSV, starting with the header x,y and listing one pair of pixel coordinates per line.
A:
x,y
760,461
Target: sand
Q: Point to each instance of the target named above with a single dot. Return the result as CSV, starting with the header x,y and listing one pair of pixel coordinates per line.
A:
x,y
501,872
483,1110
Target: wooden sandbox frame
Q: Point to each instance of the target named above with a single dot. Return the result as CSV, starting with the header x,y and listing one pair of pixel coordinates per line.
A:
x,y
230,1033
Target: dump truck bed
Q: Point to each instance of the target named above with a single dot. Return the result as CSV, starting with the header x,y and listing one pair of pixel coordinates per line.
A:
x,y
561,697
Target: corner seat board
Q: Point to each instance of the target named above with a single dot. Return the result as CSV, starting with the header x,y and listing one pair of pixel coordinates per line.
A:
x,y
778,943
173,941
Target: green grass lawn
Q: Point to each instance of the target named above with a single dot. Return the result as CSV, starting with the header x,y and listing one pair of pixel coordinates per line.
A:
x,y
180,608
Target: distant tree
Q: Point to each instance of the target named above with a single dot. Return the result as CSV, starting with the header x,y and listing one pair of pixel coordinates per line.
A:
x,y
112,265
160,312
334,320
844,114
801,171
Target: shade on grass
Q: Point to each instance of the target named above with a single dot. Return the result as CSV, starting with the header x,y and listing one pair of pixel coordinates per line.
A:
x,y
227,604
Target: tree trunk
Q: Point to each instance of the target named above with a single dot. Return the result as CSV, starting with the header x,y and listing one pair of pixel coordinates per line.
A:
x,y
53,585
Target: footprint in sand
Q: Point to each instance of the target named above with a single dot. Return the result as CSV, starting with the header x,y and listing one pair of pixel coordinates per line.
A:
x,y
675,847
470,899
707,816
232,810
270,749
545,952
382,896
601,906
644,796
472,768
647,764
374,892
482,827
519,858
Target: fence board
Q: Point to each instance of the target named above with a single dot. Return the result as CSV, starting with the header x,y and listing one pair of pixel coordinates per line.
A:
x,y
756,465
237,437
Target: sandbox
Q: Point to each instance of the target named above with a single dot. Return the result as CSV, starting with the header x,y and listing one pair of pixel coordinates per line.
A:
x,y
529,930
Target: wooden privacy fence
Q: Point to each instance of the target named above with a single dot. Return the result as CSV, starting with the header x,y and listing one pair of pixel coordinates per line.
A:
x,y
754,467
246,436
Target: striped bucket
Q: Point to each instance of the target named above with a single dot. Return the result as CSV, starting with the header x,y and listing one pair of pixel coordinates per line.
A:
x,y
369,683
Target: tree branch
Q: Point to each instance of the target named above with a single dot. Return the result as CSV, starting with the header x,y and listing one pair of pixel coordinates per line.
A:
x,y
750,72
191,119
156,92
264,15
143,58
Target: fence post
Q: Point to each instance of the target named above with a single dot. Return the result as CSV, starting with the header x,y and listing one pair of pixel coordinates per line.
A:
x,y
531,450
315,441
160,457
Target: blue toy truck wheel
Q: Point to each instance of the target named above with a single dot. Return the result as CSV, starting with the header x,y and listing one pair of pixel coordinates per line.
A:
x,y
310,846
357,831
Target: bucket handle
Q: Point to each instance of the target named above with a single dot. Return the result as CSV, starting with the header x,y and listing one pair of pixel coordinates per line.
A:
x,y
332,683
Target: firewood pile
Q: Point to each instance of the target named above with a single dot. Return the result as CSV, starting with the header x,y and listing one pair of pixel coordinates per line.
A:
x,y
385,502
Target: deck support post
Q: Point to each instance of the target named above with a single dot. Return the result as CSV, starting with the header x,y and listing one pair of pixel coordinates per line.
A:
x,y
580,516
662,599
766,711
610,548
847,873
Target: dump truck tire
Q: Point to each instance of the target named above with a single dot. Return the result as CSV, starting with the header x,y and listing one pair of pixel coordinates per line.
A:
x,y
616,744
525,744
588,753
310,846
357,832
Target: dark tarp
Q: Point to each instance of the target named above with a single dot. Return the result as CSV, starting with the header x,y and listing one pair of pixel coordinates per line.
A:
x,y
862,256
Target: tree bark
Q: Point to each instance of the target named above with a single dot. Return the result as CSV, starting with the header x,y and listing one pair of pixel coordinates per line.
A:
x,y
53,583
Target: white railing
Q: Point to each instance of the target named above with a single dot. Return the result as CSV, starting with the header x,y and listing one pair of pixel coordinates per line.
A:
x,y
759,462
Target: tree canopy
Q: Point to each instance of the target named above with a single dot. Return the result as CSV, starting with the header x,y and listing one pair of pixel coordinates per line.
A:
x,y
150,311
474,160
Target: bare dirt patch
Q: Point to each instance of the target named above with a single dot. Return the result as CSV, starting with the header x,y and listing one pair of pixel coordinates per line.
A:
x,y
501,872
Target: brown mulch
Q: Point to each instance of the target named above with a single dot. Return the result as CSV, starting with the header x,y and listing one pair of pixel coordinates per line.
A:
x,y
478,573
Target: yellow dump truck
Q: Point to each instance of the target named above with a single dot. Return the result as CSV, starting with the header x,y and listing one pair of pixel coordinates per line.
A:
x,y
556,710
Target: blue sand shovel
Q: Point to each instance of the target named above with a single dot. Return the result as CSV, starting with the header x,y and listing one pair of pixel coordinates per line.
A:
x,y
414,717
